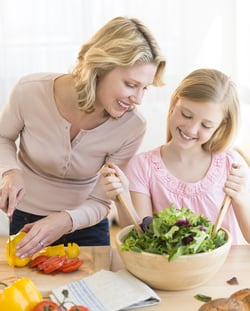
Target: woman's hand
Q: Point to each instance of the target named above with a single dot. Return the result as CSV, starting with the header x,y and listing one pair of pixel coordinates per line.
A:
x,y
12,191
43,233
114,181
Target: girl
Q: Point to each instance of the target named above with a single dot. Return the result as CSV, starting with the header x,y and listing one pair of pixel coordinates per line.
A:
x,y
196,167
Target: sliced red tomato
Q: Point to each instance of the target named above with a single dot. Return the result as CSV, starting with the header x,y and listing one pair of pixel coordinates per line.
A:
x,y
46,305
71,264
70,261
78,308
50,264
53,267
54,261
38,260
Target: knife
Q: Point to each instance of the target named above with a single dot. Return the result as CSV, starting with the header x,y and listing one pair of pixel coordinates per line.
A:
x,y
9,234
10,218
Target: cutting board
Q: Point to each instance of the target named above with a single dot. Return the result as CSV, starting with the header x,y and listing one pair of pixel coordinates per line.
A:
x,y
94,258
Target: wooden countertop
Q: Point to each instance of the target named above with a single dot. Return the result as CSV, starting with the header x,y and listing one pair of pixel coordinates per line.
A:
x,y
94,258
104,257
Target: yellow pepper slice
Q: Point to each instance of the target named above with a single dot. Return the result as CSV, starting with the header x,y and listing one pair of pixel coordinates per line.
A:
x,y
73,250
12,259
53,250
21,295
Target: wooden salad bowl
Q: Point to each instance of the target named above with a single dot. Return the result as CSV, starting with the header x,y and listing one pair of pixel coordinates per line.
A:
x,y
184,272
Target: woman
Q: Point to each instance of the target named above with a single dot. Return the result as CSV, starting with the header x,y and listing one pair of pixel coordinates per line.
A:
x,y
68,126
196,167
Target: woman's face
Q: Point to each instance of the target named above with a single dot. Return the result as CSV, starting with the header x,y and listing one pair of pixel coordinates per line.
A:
x,y
193,123
123,87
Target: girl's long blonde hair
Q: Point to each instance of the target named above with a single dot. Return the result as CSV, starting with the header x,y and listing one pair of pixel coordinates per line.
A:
x,y
121,42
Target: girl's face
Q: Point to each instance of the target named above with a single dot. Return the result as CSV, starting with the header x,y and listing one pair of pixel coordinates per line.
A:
x,y
123,87
193,123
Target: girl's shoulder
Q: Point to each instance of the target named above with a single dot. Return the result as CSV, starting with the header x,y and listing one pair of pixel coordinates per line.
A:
x,y
140,168
152,156
145,163
228,158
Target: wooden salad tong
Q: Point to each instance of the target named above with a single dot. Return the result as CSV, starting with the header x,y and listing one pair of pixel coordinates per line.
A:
x,y
222,212
123,202
121,199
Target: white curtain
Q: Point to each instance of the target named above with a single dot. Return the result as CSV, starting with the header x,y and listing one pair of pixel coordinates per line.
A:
x,y
45,35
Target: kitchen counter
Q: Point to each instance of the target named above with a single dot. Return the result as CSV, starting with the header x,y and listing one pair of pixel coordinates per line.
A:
x,y
104,257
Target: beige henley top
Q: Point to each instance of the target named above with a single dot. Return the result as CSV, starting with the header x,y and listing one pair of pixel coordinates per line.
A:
x,y
60,174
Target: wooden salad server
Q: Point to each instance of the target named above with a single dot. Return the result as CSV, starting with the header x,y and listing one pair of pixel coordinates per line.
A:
x,y
222,212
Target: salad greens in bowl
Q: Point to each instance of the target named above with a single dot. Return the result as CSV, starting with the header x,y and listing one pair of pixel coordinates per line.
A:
x,y
176,251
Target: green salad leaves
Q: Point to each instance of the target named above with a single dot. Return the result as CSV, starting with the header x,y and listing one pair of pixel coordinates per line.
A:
x,y
175,232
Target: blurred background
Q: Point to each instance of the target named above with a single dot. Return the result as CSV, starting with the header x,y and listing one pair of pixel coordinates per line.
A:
x,y
45,35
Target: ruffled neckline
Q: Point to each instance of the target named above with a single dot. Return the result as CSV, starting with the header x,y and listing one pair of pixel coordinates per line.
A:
x,y
214,174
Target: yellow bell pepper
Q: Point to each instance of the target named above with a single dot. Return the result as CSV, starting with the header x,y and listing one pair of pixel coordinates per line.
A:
x,y
21,295
12,259
73,250
53,250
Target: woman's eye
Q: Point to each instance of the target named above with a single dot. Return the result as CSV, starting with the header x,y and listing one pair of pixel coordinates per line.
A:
x,y
131,85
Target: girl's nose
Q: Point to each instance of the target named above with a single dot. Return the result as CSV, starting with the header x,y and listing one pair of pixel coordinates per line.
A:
x,y
193,129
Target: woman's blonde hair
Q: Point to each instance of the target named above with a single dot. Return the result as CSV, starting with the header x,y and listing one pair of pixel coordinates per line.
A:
x,y
206,85
121,42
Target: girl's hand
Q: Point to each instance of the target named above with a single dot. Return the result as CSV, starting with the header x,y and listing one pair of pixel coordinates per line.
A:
x,y
114,181
12,191
43,233
236,184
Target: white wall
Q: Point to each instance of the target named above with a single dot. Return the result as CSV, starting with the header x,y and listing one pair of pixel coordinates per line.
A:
x,y
45,35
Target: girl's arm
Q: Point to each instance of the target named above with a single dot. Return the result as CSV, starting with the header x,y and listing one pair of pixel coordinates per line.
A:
x,y
115,182
237,186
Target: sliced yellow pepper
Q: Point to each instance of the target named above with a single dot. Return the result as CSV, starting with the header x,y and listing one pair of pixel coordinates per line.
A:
x,y
12,259
53,250
21,295
73,250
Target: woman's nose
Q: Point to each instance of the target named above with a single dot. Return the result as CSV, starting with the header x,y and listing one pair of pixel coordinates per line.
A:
x,y
137,98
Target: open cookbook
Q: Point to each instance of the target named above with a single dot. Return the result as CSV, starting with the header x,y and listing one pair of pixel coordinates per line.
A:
x,y
108,291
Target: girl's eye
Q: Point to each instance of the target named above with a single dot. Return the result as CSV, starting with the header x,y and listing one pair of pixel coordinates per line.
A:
x,y
206,126
186,115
